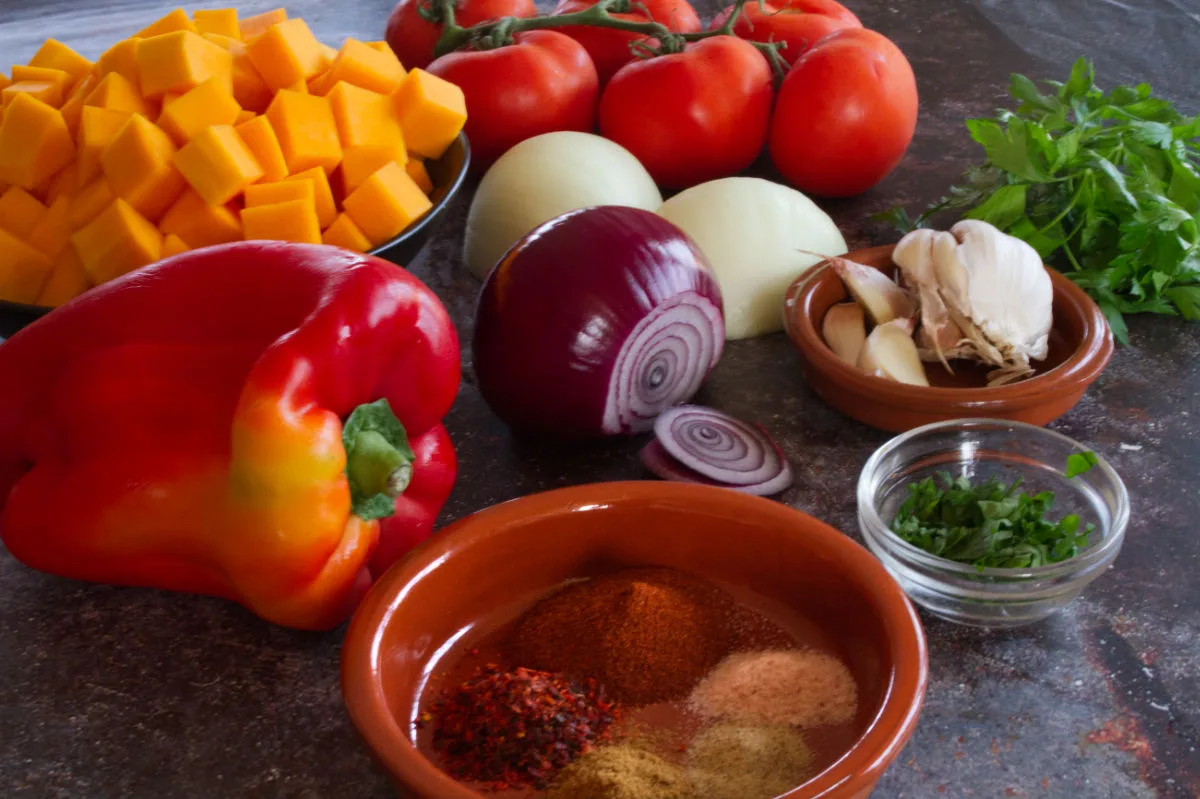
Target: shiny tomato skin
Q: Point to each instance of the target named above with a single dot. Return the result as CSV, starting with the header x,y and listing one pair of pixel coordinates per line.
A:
x,y
412,37
692,116
845,114
798,23
541,83
609,48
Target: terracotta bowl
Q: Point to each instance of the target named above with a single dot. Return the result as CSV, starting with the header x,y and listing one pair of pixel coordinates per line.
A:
x,y
1080,347
515,551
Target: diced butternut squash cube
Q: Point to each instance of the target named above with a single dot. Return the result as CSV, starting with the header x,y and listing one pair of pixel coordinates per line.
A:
x,y
20,211
88,204
121,58
260,137
322,194
386,203
432,111
5,82
286,53
173,245
359,163
364,118
53,230
67,280
177,62
291,221
307,131
138,166
117,241
72,107
34,142
115,92
201,224
363,66
420,175
56,55
382,47
97,128
23,269
65,183
63,79
230,43
243,117
210,103
218,20
177,20
249,89
274,193
45,91
328,54
218,164
252,27
344,233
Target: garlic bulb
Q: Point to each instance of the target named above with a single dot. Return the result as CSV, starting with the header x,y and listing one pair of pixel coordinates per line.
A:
x,y
983,294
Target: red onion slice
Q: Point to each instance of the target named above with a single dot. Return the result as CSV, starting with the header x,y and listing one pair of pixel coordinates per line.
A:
x,y
720,447
659,462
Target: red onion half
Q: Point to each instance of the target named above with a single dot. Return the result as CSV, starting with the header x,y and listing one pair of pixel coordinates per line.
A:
x,y
595,323
702,445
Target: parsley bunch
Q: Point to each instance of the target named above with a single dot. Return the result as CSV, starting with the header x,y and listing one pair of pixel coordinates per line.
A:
x,y
1105,185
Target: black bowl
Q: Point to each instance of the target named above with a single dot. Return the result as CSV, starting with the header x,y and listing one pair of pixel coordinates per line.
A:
x,y
447,174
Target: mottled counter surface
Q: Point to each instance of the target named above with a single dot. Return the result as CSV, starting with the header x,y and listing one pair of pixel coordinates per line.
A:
x,y
117,692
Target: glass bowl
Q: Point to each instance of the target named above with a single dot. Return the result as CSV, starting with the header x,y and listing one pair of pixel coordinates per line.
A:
x,y
981,449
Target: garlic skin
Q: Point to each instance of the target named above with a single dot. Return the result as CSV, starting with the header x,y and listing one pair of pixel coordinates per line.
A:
x,y
939,335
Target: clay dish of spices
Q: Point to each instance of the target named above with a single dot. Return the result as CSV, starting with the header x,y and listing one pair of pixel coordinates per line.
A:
x,y
468,583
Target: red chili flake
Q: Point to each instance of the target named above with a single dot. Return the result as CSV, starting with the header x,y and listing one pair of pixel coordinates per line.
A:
x,y
521,727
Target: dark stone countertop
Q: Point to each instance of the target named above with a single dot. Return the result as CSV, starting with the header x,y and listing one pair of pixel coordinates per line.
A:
x,y
108,692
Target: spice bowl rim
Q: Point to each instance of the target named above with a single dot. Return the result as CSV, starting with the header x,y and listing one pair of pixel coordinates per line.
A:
x,y
855,770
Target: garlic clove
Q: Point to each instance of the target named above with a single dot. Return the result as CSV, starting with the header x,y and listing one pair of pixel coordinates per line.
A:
x,y
879,296
889,352
845,330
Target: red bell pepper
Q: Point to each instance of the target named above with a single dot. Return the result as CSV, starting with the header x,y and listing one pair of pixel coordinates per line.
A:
x,y
256,421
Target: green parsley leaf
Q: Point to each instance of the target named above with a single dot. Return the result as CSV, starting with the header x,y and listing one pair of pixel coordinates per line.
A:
x,y
1080,462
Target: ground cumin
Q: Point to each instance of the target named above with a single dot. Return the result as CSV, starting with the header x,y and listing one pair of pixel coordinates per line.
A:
x,y
621,772
736,762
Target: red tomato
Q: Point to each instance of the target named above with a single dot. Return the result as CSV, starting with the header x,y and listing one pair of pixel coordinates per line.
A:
x,y
691,116
541,83
609,48
845,115
799,23
412,37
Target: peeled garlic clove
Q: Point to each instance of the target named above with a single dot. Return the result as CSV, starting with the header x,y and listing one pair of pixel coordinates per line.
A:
x,y
890,352
845,330
879,296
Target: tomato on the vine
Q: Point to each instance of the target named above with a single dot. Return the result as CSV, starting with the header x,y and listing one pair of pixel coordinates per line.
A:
x,y
542,82
691,116
610,48
845,115
412,37
797,23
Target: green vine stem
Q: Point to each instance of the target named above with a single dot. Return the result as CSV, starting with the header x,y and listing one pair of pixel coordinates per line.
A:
x,y
498,33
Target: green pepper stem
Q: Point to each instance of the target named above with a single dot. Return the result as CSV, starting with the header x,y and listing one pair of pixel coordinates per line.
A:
x,y
378,459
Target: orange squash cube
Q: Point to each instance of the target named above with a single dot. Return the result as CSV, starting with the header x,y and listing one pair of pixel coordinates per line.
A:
x,y
420,175
97,128
260,137
252,27
274,193
88,204
72,107
249,89
23,269
218,164
56,55
43,90
382,47
115,92
63,79
66,282
386,203
431,111
34,143
210,103
243,117
364,118
359,163
218,20
20,211
345,234
286,53
307,131
138,166
4,81
364,66
322,194
53,230
117,241
179,61
200,224
291,221
66,182
121,58
173,245
177,20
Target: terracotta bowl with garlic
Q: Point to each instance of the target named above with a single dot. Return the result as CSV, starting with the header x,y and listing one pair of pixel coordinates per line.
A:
x,y
944,325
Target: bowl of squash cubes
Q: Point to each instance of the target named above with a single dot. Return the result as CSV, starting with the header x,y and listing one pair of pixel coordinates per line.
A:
x,y
208,128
